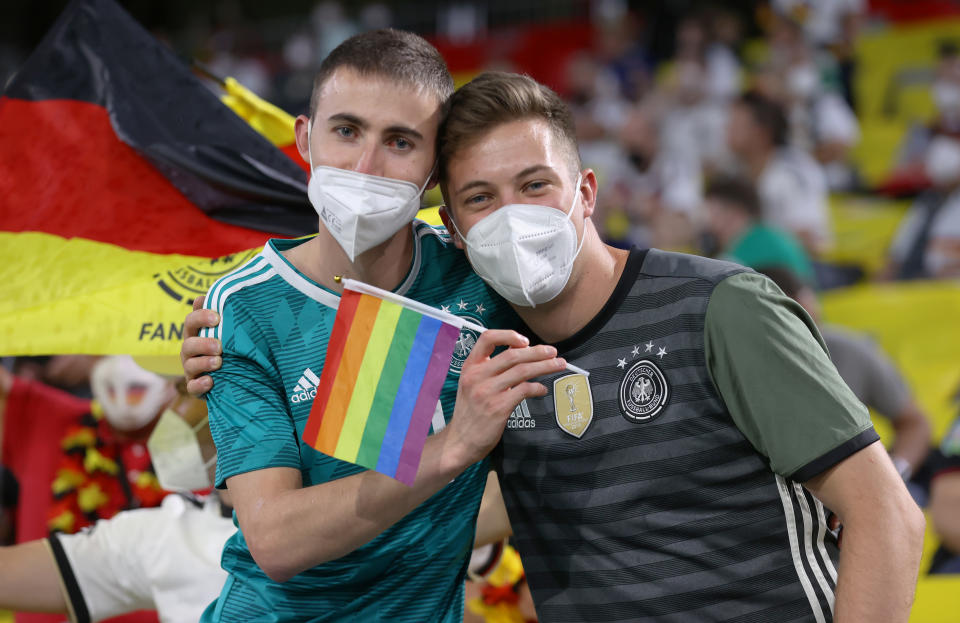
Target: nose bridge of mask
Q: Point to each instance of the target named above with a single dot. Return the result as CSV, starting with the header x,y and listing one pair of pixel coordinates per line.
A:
x,y
568,216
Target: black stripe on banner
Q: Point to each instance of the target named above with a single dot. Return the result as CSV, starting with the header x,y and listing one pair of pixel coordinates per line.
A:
x,y
74,594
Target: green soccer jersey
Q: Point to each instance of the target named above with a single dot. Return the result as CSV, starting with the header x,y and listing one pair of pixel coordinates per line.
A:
x,y
275,323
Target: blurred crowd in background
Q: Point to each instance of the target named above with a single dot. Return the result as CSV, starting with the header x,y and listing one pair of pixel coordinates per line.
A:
x,y
769,133
671,99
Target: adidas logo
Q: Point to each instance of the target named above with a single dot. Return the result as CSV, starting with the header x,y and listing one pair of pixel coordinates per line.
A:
x,y
306,388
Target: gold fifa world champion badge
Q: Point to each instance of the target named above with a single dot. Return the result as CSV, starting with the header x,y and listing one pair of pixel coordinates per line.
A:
x,y
573,404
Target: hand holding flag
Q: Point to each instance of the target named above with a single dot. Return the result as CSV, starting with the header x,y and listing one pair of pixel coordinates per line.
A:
x,y
386,362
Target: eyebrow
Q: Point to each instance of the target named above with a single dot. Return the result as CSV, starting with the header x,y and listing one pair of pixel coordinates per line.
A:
x,y
345,117
528,171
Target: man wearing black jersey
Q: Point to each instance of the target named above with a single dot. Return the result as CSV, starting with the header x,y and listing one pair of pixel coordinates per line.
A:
x,y
685,479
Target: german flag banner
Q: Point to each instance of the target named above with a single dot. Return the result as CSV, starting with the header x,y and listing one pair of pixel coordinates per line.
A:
x,y
127,187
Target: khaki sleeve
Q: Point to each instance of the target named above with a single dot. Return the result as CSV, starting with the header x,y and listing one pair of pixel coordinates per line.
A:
x,y
771,368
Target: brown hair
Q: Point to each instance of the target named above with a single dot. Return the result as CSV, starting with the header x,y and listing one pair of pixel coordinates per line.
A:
x,y
767,114
496,97
395,54
737,192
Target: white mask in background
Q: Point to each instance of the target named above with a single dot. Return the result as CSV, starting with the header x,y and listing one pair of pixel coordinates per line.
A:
x,y
130,396
942,161
803,81
946,97
525,252
176,455
359,210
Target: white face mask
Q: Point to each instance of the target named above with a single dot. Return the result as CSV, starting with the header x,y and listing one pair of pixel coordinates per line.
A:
x,y
115,381
942,161
359,210
803,81
176,455
946,96
525,252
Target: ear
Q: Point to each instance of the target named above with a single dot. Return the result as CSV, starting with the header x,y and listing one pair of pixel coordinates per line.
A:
x,y
300,132
447,222
588,190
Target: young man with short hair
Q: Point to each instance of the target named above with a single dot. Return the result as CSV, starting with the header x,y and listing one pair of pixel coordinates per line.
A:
x,y
320,539
685,479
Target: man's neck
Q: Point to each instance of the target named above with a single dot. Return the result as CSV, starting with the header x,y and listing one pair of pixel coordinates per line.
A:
x,y
595,277
384,266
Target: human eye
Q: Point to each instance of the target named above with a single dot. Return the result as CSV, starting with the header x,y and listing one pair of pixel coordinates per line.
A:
x,y
400,143
536,186
476,200
345,131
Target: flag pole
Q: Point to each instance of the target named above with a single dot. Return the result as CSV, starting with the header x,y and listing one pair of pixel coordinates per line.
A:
x,y
426,310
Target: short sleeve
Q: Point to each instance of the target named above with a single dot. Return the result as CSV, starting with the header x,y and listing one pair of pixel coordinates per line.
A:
x,y
251,425
768,362
101,568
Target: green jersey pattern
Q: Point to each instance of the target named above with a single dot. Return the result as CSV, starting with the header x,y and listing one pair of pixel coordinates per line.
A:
x,y
275,323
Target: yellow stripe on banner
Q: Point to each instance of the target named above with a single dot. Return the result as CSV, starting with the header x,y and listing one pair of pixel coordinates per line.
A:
x,y
368,377
63,296
274,123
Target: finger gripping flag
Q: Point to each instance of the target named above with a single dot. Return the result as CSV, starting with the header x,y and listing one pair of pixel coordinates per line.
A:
x,y
386,362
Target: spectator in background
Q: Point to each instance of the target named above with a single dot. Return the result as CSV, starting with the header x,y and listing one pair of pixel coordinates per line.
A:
x,y
77,461
927,244
733,219
871,375
619,49
820,121
912,173
658,190
165,559
595,98
945,501
71,373
694,96
830,27
946,88
791,185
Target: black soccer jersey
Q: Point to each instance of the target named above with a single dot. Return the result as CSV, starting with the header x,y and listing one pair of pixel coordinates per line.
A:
x,y
664,486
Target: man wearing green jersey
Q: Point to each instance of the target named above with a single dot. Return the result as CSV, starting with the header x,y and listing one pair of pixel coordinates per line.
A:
x,y
319,539
685,479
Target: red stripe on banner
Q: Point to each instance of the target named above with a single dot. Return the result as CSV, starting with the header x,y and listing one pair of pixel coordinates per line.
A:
x,y
63,171
335,345
294,154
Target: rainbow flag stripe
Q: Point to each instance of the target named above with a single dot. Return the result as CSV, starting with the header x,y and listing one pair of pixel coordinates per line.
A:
x,y
381,381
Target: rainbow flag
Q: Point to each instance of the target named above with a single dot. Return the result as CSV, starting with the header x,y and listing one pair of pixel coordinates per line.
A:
x,y
386,362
